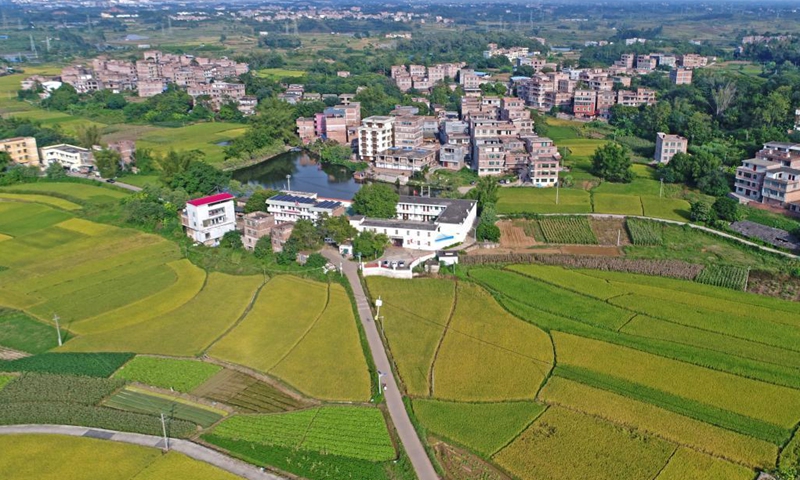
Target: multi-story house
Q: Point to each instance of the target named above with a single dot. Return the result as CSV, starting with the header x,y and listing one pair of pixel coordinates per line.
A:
x,y
642,96
22,150
771,177
680,76
207,219
692,60
782,187
584,103
668,145
306,130
749,179
408,131
68,156
375,135
294,206
256,225
408,159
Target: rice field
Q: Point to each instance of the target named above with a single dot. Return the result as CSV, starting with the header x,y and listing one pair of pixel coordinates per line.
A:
x,y
20,332
175,374
617,204
543,200
143,402
289,332
246,394
79,191
690,464
562,444
43,199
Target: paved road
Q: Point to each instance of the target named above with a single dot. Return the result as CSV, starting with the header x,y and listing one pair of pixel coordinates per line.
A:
x,y
119,184
193,450
394,400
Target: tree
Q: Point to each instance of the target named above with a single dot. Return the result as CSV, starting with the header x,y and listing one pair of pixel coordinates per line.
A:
x,y
305,235
200,178
258,200
487,230
55,171
336,228
89,136
370,244
288,255
5,160
144,160
714,183
232,239
316,260
376,200
174,163
487,191
612,162
263,248
722,96
701,211
62,98
726,208
107,162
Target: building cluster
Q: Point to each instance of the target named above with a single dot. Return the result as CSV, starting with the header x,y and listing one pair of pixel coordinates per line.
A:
x,y
338,124
152,74
422,78
772,177
512,53
24,151
292,13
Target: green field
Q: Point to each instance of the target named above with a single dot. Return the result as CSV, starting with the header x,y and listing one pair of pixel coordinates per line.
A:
x,y
543,200
246,394
23,333
205,137
53,457
171,373
278,73
142,402
309,339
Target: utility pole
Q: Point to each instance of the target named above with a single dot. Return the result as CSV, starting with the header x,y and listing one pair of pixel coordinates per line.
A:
x,y
164,431
56,318
33,44
378,304
289,183
619,236
661,189
557,192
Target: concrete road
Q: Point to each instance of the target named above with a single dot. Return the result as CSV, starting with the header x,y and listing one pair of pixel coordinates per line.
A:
x,y
126,186
394,400
190,449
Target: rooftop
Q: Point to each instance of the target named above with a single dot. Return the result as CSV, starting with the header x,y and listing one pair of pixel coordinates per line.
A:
x,y
407,152
456,211
220,197
393,223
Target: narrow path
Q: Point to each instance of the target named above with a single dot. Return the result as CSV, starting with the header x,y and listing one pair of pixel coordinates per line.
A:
x,y
441,339
394,400
190,449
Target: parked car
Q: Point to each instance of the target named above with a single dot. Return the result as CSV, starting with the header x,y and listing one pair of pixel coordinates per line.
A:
x,y
401,263
110,180
385,264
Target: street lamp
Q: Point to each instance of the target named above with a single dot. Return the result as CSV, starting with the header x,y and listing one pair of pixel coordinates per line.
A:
x,y
289,183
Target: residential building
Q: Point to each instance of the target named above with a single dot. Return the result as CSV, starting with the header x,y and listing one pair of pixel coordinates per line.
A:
x,y
681,76
772,177
692,60
22,150
375,135
782,187
749,179
642,96
668,145
207,219
68,156
256,225
584,103
306,129
294,206
424,223
126,150
409,159
408,132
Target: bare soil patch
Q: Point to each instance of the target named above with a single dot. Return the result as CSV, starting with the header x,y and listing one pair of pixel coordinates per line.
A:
x,y
461,465
609,230
781,286
9,354
512,235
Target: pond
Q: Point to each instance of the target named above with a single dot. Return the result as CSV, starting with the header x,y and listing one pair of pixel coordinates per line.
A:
x,y
307,175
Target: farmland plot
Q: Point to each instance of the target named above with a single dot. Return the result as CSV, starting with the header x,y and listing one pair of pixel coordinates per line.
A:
x,y
175,374
246,394
690,464
727,276
142,402
567,230
645,232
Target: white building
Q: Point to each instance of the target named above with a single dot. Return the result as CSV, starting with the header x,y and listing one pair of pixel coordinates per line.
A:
x,y
668,145
424,223
207,219
294,206
375,135
69,156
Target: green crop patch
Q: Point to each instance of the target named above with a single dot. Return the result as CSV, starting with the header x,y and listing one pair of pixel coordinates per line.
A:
x,y
354,432
176,374
135,401
568,230
645,232
88,364
483,427
246,394
617,204
36,388
543,200
21,332
727,276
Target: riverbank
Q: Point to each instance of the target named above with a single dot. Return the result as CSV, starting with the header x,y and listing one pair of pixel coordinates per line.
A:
x,y
231,165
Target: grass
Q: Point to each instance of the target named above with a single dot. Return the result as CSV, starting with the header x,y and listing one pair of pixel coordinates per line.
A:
x,y
690,464
488,355
543,200
623,410
278,73
666,208
572,445
140,180
18,219
355,432
43,199
482,427
142,402
21,332
415,313
645,232
205,137
80,191
771,404
219,304
617,204
175,374
309,339
55,457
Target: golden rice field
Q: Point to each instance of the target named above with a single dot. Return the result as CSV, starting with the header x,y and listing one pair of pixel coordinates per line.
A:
x,y
690,464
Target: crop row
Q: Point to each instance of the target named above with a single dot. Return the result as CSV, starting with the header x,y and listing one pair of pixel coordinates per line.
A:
x,y
570,230
150,404
35,387
90,416
88,364
246,394
727,276
645,232
176,374
662,268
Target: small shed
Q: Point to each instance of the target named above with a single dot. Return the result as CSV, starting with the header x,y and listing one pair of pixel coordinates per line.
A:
x,y
346,249
447,257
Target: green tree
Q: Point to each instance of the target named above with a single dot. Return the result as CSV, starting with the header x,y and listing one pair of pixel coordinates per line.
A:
x,y
612,162
62,98
376,200
232,239
200,178
305,235
370,244
5,160
288,255
55,171
726,208
174,163
263,248
89,136
714,183
487,191
316,260
144,161
701,211
337,228
258,200
107,162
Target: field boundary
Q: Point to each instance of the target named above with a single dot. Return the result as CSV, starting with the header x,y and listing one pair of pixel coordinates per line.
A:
x,y
305,334
441,339
204,352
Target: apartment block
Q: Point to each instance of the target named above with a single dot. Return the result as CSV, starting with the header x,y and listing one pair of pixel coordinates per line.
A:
x,y
207,219
681,76
408,131
584,103
68,156
692,60
375,135
408,159
22,150
289,207
668,145
771,177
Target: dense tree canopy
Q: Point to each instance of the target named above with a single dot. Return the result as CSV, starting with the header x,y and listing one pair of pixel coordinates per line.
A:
x,y
376,200
612,162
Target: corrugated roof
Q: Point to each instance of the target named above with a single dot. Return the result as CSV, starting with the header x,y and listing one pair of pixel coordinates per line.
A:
x,y
220,197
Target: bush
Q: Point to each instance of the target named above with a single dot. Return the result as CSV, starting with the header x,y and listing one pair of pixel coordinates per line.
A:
x,y
316,260
488,232
232,239
701,211
88,364
727,208
263,248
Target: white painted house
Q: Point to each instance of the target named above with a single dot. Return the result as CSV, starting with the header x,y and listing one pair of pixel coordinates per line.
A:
x,y
424,223
207,219
69,156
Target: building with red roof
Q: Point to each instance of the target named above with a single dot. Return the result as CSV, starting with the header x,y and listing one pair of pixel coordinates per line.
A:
x,y
207,219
